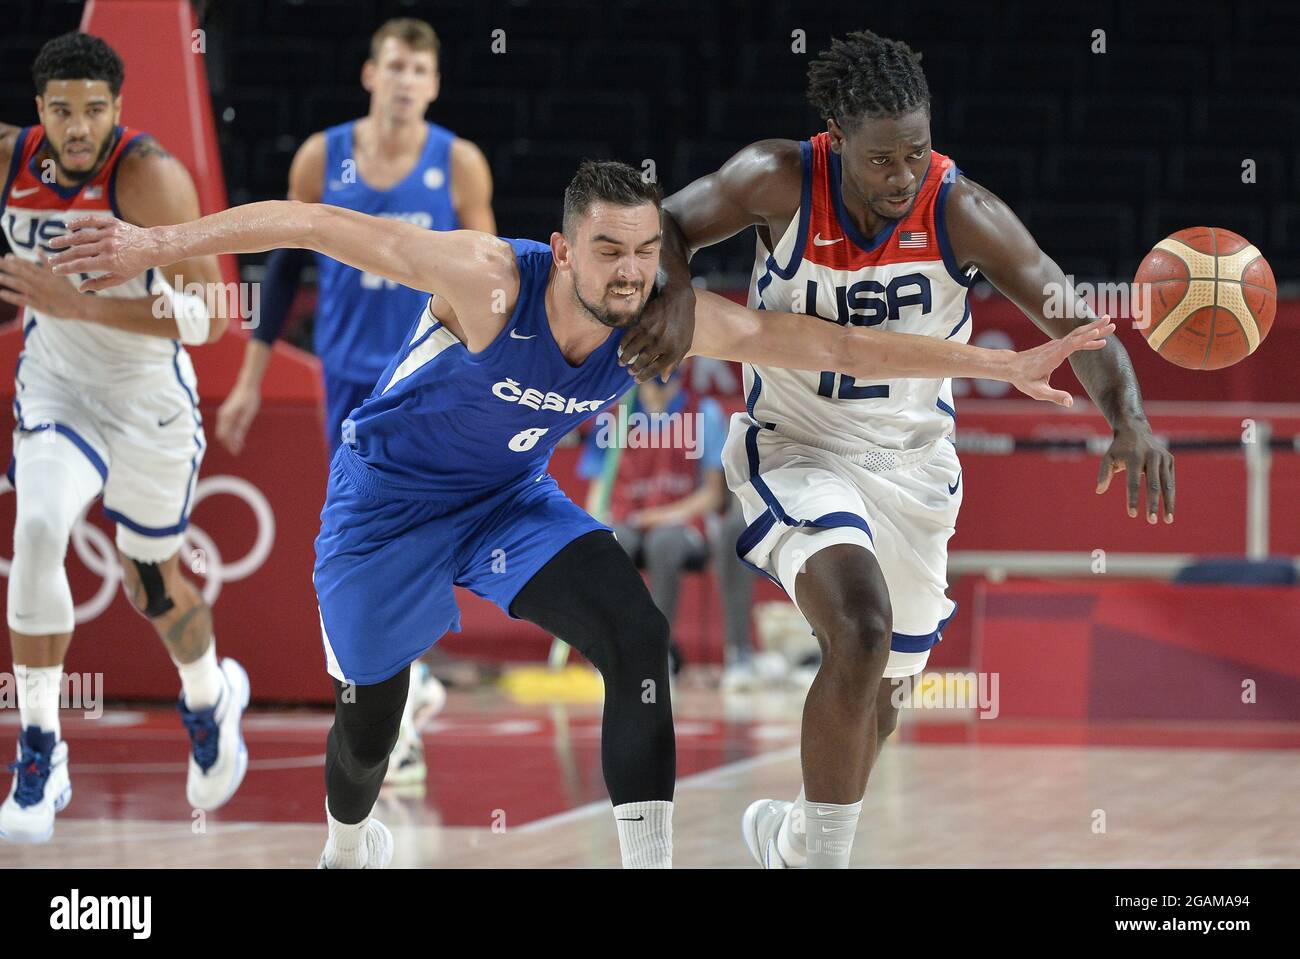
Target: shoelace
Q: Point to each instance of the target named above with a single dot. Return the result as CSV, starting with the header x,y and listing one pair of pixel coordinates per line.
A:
x,y
33,770
202,726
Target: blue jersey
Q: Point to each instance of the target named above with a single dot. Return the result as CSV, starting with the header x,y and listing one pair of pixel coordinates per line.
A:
x,y
443,423
360,317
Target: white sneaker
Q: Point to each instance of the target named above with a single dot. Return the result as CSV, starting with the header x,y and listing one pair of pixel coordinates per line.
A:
x,y
425,698
41,787
406,765
379,848
759,826
218,754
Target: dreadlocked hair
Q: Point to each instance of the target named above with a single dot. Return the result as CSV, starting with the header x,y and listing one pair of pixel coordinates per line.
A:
x,y
864,75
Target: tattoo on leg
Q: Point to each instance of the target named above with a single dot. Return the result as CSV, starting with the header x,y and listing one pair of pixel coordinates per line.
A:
x,y
187,637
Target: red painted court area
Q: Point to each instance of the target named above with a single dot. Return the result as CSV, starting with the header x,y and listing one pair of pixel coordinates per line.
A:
x,y
486,754
532,762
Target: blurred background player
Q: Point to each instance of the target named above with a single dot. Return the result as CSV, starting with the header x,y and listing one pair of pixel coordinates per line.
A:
x,y
105,403
668,506
389,163
852,489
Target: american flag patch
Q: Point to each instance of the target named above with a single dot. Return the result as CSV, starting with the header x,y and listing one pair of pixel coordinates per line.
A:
x,y
912,240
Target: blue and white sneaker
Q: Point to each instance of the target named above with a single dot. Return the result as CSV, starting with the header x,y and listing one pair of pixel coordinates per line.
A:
x,y
218,755
41,787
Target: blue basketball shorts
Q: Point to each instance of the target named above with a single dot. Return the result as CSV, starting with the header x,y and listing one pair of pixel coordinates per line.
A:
x,y
385,567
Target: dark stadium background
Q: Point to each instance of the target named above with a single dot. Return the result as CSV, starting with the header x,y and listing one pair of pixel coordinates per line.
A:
x,y
1099,154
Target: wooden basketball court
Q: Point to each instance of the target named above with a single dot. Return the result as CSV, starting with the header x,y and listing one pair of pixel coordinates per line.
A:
x,y
518,786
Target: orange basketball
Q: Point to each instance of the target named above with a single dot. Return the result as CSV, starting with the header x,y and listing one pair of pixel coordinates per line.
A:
x,y
1205,298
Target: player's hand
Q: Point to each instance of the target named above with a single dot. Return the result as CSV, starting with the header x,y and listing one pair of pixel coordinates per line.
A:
x,y
656,345
1136,450
236,415
1033,368
34,286
102,244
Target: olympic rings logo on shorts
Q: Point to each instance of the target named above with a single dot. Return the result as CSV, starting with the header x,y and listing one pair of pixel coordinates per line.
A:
x,y
97,552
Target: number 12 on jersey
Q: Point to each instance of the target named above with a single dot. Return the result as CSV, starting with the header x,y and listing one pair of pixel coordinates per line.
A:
x,y
848,388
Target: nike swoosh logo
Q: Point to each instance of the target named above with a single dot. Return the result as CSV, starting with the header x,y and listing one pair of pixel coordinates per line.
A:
x,y
514,335
637,819
833,827
166,421
818,241
18,194
953,488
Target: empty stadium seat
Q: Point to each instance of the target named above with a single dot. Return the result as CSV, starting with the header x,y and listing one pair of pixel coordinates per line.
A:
x,y
742,117
1116,173
1138,69
1163,218
1251,121
1031,67
1125,119
1007,118
570,114
1215,172
543,167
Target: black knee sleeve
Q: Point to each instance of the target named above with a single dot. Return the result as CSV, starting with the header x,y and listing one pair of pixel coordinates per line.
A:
x,y
367,720
591,596
157,602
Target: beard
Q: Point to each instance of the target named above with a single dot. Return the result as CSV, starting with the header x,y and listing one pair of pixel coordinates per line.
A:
x,y
606,317
81,176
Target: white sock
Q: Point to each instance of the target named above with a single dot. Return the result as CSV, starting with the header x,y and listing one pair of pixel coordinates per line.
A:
x,y
645,834
828,832
346,846
38,697
202,680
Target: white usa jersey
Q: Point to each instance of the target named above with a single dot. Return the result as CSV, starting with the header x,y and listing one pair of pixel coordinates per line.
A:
x,y
903,280
90,355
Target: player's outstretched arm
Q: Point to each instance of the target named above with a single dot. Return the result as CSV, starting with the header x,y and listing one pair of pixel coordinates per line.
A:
x,y
152,188
728,331
465,267
986,233
284,270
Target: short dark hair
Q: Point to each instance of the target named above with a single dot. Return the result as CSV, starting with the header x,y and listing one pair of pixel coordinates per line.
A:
x,y
78,56
864,75
416,34
606,181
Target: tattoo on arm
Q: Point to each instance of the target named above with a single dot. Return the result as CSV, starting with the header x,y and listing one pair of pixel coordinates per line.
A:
x,y
149,147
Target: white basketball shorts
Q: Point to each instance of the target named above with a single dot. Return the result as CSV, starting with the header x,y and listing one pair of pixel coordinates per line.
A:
x,y
146,447
799,499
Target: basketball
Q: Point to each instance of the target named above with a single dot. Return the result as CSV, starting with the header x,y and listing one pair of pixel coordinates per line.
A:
x,y
1206,298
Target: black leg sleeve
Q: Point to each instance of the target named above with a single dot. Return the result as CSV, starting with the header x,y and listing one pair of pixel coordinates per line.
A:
x,y
591,596
366,723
